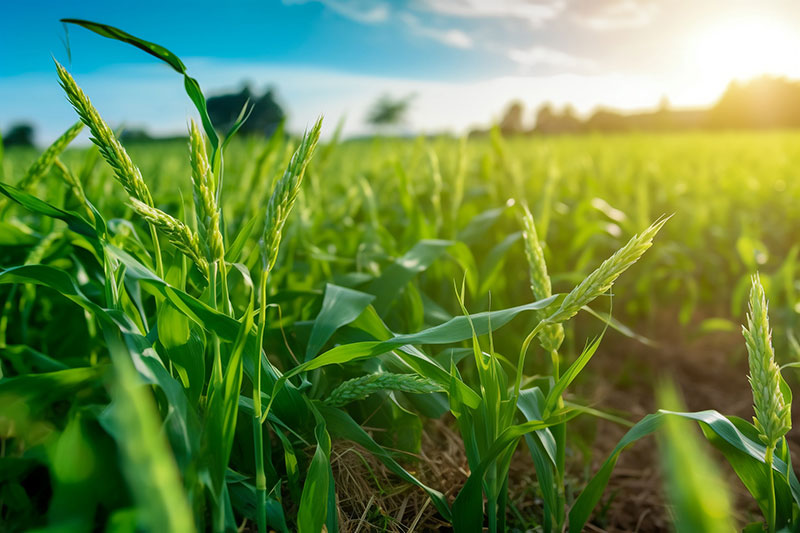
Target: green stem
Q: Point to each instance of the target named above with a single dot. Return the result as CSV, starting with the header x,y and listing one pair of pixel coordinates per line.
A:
x,y
521,362
771,509
258,444
212,300
226,301
157,252
560,435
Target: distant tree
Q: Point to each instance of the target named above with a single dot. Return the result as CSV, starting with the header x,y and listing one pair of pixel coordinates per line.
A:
x,y
764,102
605,120
21,134
568,121
544,118
511,123
389,111
134,135
264,119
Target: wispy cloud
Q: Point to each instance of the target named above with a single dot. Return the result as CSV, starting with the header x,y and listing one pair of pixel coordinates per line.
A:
x,y
535,12
450,37
550,57
614,14
363,11
371,12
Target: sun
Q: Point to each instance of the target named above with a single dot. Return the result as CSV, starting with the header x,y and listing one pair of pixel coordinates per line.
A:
x,y
744,48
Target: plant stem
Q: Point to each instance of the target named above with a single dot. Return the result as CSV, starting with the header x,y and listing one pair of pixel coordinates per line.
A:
x,y
771,509
212,300
560,436
226,301
521,361
157,251
258,444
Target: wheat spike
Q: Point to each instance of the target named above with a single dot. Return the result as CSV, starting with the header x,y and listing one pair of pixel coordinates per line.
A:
x,y
604,276
112,151
361,387
552,335
204,197
42,165
773,417
176,231
284,195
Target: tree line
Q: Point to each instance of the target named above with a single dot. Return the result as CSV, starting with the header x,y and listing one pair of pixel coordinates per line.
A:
x,y
766,102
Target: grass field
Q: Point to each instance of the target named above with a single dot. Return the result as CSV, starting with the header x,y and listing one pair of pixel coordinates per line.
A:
x,y
378,334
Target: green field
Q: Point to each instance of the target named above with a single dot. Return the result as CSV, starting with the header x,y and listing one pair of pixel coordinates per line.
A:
x,y
360,334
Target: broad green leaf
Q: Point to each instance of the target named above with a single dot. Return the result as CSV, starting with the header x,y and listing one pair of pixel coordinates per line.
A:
x,y
403,270
711,421
158,51
314,501
148,465
694,487
74,220
340,306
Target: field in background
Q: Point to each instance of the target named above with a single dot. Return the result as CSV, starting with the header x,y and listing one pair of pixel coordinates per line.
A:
x,y
434,212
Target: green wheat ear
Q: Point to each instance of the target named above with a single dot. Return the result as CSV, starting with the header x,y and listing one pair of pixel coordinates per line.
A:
x,y
284,195
363,386
176,231
604,276
45,161
204,192
111,149
552,335
773,416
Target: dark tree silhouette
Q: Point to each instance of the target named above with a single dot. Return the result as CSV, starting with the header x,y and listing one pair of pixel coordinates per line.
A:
x,y
511,123
19,135
388,111
267,114
548,121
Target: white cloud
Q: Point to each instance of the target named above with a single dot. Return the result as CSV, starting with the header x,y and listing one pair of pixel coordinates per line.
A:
x,y
544,56
371,12
450,37
363,11
535,12
617,14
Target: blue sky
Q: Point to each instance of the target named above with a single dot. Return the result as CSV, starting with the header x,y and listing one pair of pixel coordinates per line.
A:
x,y
463,59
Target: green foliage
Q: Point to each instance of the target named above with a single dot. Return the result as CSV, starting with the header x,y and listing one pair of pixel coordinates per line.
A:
x,y
308,299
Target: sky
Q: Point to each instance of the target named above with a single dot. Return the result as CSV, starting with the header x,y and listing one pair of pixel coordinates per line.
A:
x,y
463,60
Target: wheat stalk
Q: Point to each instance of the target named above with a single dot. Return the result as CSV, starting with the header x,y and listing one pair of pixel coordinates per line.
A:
x,y
772,415
361,387
176,231
284,195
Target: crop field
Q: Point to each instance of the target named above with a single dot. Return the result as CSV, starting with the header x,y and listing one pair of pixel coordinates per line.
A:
x,y
565,333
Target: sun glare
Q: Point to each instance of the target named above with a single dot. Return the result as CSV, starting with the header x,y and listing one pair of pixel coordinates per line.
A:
x,y
744,48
